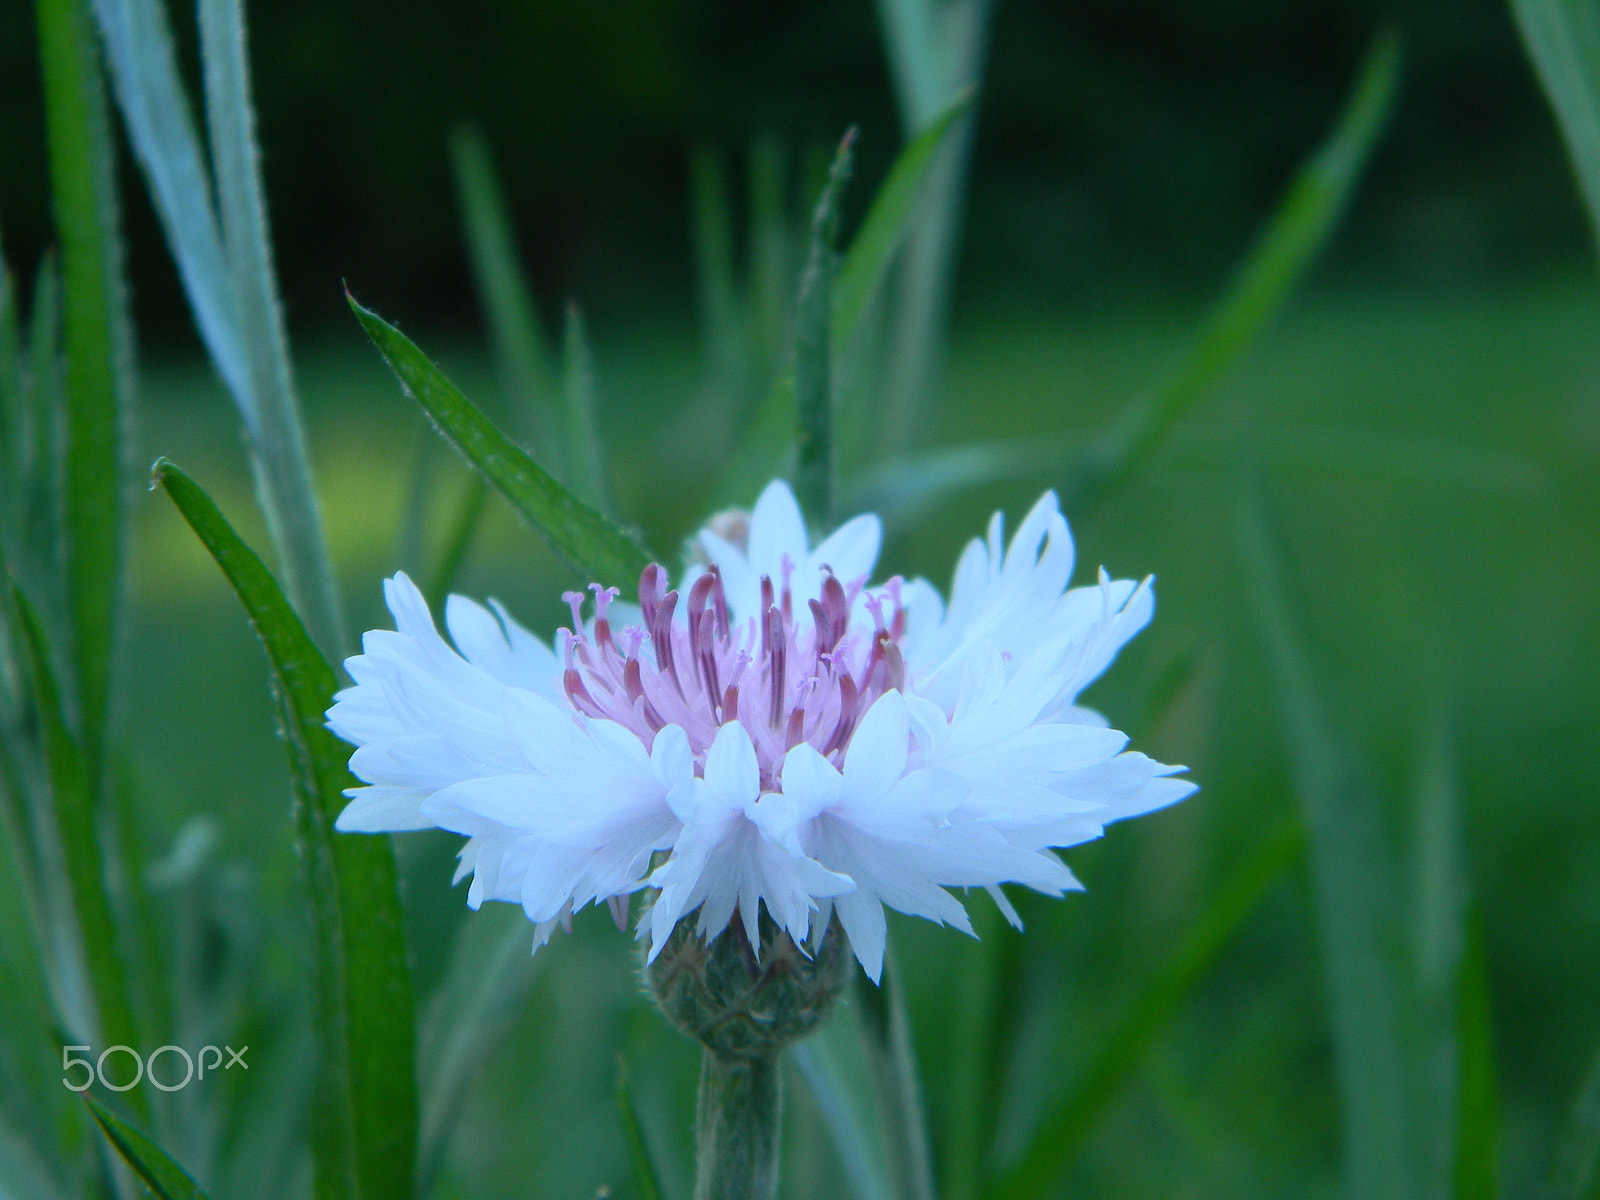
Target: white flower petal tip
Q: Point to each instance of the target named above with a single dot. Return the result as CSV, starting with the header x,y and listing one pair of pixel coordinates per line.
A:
x,y
777,736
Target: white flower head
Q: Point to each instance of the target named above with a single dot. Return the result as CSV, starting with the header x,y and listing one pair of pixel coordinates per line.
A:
x,y
777,734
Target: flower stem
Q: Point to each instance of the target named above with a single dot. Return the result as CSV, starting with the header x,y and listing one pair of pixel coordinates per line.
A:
x,y
736,1127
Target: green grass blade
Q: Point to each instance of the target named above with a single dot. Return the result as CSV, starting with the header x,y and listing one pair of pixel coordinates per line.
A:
x,y
149,88
1283,251
458,541
646,1177
1577,1166
13,423
153,1165
721,322
975,1071
902,490
515,332
580,417
835,1066
1065,1128
887,1047
1476,1170
1356,883
280,463
23,1175
99,381
1563,40
771,249
572,528
72,804
866,265
485,988
365,1127
41,530
813,370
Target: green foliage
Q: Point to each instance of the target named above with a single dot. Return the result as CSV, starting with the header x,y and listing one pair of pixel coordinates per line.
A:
x,y
224,259
153,1165
1283,251
589,541
813,369
365,1121
99,377
1563,40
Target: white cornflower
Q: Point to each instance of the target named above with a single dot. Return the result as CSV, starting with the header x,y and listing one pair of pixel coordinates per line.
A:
x,y
778,734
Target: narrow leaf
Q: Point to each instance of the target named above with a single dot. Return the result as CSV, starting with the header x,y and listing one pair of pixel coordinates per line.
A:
x,y
108,1015
1356,883
1283,251
153,1165
872,251
1119,1055
580,421
572,528
888,1049
835,1066
1476,1171
149,88
484,990
515,331
365,1127
1577,1167
99,354
458,540
813,371
1563,40
646,1178
280,464
902,490
721,322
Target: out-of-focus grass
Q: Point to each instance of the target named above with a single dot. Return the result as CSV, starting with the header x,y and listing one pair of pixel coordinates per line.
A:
x,y
1435,459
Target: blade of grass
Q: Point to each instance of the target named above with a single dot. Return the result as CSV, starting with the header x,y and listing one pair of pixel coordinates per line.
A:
x,y
155,111
1356,884
1074,1116
771,265
484,989
23,1175
458,541
902,490
1563,40
884,229
281,466
936,48
813,370
886,1027
580,407
646,1178
721,322
572,528
766,450
1283,251
153,1165
515,331
971,1095
364,1137
1577,1166
1475,1171
834,1065
99,383
41,529
72,804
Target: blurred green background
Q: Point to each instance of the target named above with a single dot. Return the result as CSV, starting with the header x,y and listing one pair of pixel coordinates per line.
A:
x,y
1424,420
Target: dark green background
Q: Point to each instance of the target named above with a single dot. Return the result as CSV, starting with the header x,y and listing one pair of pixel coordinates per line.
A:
x,y
1119,142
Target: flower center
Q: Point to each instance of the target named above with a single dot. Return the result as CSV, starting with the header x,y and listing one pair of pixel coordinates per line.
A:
x,y
785,681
